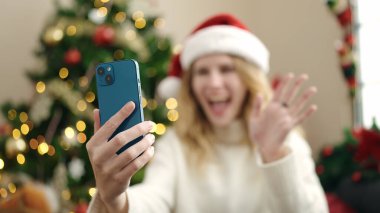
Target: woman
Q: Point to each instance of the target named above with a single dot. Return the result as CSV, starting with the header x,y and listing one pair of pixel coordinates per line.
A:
x,y
232,150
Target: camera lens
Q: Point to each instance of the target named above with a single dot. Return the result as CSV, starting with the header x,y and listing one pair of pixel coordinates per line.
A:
x,y
101,71
109,79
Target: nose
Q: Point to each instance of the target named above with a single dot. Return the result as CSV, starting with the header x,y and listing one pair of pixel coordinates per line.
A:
x,y
216,79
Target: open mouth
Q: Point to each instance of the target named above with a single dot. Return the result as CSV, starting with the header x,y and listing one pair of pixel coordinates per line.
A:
x,y
219,105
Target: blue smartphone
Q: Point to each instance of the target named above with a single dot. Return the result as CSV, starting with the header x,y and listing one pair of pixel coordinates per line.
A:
x,y
117,83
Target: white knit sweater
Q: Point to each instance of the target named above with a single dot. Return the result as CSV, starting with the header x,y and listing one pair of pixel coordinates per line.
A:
x,y
238,182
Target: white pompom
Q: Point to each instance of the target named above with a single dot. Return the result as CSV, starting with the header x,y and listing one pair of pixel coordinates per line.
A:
x,y
169,87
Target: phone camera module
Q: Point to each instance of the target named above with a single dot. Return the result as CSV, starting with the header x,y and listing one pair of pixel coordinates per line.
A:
x,y
100,70
109,79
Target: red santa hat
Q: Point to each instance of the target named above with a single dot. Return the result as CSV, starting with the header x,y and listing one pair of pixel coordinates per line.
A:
x,y
222,33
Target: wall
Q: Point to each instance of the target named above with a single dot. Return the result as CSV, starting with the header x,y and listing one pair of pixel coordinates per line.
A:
x,y
299,33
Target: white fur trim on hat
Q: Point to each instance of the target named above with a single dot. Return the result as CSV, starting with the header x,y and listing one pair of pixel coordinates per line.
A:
x,y
225,39
168,87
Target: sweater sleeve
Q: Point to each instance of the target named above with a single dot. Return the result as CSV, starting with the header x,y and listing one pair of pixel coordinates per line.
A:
x,y
156,192
293,184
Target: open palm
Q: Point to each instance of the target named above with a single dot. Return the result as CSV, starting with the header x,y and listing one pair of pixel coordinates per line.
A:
x,y
269,126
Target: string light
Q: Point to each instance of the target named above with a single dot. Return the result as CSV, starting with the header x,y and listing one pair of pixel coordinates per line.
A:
x,y
23,117
40,87
177,49
81,137
30,125
43,148
98,3
16,134
51,151
138,14
69,132
71,30
159,23
20,159
81,126
173,115
12,114
24,129
21,145
160,129
63,73
83,81
40,139
3,193
2,164
102,11
144,102
90,97
152,104
171,103
12,188
130,35
33,143
81,105
140,23
118,54
92,191
66,194
120,17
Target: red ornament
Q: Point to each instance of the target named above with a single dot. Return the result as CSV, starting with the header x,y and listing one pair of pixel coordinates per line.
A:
x,y
81,208
356,177
349,39
336,205
351,82
320,169
328,151
345,18
73,56
104,35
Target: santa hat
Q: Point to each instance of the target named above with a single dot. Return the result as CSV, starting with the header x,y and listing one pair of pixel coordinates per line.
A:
x,y
222,33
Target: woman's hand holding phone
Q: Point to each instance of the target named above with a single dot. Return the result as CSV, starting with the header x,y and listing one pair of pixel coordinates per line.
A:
x,y
113,172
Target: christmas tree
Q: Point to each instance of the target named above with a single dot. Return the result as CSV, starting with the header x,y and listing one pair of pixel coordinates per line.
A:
x,y
44,139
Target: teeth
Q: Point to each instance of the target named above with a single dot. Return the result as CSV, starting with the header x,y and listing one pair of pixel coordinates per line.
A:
x,y
218,98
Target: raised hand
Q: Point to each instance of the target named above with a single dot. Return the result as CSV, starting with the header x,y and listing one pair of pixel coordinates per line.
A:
x,y
113,172
269,125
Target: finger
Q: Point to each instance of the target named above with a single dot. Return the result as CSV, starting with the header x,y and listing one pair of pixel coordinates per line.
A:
x,y
306,114
131,153
257,105
136,164
114,122
298,107
96,120
295,87
125,137
280,90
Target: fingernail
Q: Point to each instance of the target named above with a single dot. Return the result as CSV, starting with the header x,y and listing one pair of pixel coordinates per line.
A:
x,y
152,126
151,138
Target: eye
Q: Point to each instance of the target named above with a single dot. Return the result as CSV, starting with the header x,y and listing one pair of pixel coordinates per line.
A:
x,y
227,68
201,72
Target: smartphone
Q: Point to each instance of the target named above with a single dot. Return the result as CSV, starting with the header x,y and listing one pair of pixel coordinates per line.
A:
x,y
117,83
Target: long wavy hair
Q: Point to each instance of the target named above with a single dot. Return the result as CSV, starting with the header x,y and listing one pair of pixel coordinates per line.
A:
x,y
193,128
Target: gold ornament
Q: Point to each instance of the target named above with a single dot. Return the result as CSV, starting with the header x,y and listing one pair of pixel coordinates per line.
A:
x,y
53,35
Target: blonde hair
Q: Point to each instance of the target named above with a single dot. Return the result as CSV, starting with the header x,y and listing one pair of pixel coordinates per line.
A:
x,y
193,128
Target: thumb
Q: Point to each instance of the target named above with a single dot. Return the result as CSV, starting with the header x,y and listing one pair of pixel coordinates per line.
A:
x,y
96,120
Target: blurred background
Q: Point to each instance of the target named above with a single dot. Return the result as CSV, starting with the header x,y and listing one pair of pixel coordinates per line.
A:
x,y
49,49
